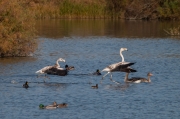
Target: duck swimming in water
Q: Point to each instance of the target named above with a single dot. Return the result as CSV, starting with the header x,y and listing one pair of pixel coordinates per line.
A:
x,y
41,106
69,67
62,105
97,72
138,79
53,106
26,85
95,87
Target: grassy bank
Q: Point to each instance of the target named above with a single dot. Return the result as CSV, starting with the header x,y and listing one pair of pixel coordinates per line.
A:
x,y
68,9
121,9
17,31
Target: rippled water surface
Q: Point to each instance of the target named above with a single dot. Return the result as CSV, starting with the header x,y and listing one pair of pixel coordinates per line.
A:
x,y
87,51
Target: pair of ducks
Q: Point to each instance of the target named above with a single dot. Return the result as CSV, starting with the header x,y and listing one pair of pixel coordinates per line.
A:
x,y
53,106
96,73
132,80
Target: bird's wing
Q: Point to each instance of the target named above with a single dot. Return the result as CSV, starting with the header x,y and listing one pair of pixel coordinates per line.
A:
x,y
120,65
137,78
46,68
60,68
43,70
112,66
128,70
133,79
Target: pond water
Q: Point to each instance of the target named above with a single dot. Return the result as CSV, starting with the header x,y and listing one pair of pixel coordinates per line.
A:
x,y
89,45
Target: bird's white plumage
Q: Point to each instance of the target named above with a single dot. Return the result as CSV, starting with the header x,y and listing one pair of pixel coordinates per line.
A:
x,y
43,70
117,66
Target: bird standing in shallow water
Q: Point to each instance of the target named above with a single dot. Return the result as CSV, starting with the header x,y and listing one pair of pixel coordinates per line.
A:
x,y
118,67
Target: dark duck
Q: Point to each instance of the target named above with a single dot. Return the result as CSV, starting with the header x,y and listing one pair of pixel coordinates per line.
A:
x,y
95,87
97,72
69,67
26,85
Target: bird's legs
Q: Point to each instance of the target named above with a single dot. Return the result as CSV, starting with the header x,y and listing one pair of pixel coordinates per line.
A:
x,y
104,76
113,80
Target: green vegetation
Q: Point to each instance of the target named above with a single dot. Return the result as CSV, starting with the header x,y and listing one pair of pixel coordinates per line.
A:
x,y
169,9
17,17
68,8
126,9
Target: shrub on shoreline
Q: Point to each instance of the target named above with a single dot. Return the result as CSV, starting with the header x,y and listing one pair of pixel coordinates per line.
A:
x,y
17,17
17,31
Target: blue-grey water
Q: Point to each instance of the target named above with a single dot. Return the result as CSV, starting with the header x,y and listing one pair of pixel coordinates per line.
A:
x,y
89,46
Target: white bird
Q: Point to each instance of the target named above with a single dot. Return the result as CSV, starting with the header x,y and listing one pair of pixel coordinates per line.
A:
x,y
120,66
47,68
138,79
121,50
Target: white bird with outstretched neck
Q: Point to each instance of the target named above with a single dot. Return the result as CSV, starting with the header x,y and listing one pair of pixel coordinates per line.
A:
x,y
119,67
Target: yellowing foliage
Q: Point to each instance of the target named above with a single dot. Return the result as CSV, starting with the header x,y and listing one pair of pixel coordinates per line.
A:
x,y
17,30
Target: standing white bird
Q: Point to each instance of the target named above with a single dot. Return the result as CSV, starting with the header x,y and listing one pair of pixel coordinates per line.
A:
x,y
49,68
120,66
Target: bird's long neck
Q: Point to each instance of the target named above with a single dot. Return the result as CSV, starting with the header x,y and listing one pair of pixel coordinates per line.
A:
x,y
126,77
148,79
57,62
121,56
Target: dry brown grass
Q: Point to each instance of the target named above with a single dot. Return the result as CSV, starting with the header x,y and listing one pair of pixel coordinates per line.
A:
x,y
17,33
175,31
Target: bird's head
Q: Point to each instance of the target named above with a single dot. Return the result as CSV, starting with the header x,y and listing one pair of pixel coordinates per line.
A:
x,y
123,49
61,59
149,74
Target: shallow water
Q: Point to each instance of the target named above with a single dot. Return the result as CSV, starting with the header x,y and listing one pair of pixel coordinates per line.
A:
x,y
158,99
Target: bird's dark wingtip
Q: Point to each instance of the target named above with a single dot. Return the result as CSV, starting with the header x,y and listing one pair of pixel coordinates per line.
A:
x,y
131,63
133,70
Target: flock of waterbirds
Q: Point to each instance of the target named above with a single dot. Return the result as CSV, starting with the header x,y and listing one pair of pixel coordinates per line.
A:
x,y
122,66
